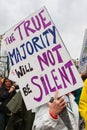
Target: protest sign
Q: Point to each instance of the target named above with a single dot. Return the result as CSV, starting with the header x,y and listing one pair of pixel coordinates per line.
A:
x,y
39,60
83,55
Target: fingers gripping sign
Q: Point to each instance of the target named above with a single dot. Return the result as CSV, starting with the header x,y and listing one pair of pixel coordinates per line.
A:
x,y
57,105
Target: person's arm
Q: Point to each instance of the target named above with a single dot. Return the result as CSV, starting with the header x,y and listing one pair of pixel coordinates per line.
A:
x,y
15,103
46,116
83,103
4,94
57,105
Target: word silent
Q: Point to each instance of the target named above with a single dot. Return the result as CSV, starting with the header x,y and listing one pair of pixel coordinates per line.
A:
x,y
57,79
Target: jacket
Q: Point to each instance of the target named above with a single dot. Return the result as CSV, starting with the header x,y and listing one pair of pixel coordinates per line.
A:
x,y
83,103
5,97
43,121
21,118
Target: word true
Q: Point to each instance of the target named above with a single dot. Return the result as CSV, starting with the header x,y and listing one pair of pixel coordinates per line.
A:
x,y
33,24
30,26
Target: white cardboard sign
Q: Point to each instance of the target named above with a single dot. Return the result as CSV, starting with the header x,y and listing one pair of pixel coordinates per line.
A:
x,y
39,60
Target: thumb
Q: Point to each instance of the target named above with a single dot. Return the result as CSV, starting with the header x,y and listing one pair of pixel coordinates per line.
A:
x,y
49,104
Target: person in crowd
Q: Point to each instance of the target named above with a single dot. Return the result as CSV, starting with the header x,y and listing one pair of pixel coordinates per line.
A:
x,y
83,100
7,91
21,119
77,94
59,114
1,80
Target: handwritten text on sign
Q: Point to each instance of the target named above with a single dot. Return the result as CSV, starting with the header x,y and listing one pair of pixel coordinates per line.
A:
x,y
40,60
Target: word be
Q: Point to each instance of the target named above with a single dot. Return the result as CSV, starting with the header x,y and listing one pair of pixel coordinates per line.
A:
x,y
26,90
48,58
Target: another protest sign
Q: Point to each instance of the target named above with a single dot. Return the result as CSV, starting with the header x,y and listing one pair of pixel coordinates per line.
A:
x,y
83,55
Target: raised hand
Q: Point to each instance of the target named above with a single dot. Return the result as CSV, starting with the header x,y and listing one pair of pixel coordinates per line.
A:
x,y
57,105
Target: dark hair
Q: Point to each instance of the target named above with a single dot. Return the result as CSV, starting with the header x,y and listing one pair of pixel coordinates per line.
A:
x,y
6,78
84,76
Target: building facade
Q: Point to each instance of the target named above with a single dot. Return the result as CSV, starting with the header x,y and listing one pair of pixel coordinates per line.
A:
x,y
4,62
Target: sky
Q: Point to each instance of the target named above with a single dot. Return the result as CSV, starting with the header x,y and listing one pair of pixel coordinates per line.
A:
x,y
69,16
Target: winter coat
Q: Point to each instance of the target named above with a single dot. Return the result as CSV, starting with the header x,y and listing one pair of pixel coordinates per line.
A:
x,y
83,103
43,121
21,118
5,97
77,94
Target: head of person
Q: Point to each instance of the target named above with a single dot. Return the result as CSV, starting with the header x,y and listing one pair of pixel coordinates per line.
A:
x,y
8,83
84,76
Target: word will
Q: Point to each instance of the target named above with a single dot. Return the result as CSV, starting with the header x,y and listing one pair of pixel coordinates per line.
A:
x,y
23,70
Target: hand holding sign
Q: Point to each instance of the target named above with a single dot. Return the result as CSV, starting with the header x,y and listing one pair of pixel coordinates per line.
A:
x,y
40,63
57,105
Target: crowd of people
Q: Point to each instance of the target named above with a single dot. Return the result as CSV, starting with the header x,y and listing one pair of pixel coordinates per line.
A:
x,y
68,112
7,91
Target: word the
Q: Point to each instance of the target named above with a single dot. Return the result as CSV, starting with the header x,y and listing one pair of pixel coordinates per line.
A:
x,y
10,39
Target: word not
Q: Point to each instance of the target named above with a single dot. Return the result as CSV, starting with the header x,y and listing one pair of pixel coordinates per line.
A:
x,y
35,45
49,59
61,80
23,70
